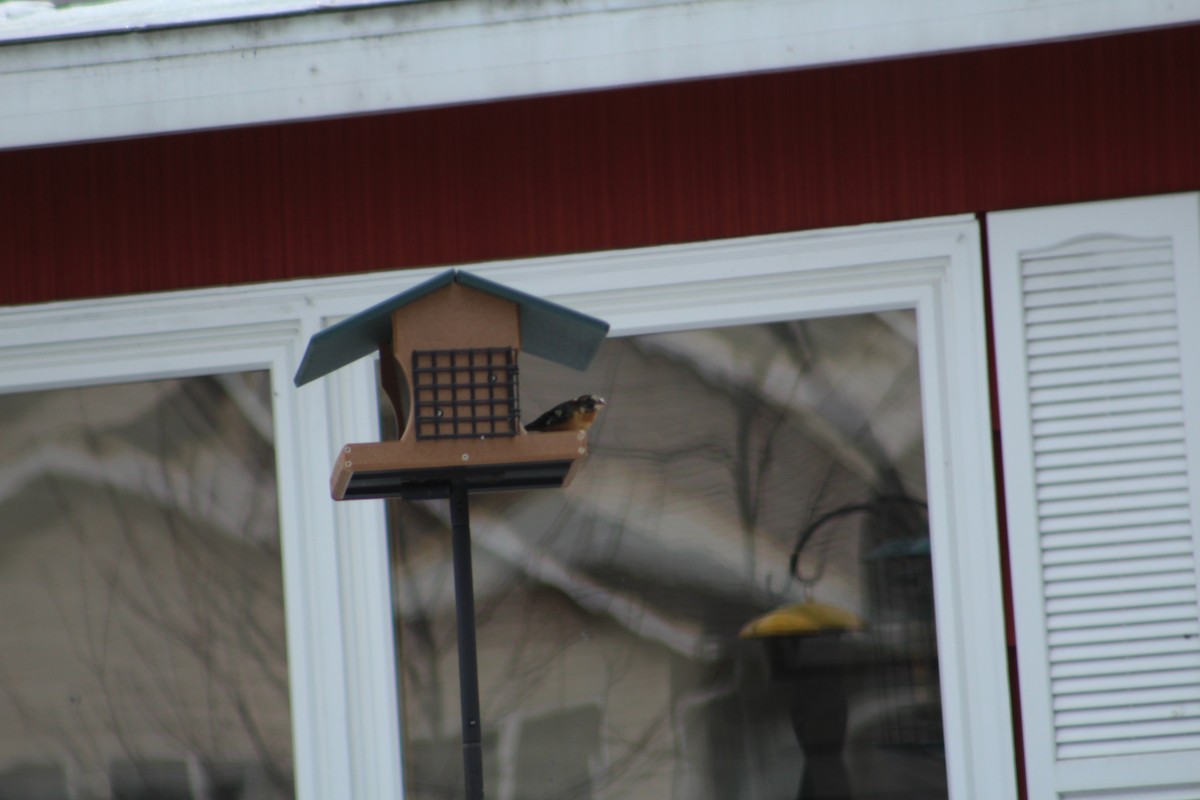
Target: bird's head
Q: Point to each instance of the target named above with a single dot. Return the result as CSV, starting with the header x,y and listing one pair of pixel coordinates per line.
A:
x,y
590,402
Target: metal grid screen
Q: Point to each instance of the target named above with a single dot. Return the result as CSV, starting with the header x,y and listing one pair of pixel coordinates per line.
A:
x,y
465,394
907,673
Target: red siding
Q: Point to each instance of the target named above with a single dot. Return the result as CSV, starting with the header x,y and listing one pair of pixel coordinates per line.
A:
x,y
975,131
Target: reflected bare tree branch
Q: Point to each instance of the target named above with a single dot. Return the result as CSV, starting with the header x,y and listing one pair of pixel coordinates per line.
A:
x,y
625,593
159,555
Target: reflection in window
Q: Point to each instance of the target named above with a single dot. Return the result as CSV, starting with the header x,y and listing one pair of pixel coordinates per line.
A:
x,y
556,754
142,650
764,479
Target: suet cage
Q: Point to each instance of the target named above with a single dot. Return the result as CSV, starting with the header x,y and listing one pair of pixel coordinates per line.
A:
x,y
468,393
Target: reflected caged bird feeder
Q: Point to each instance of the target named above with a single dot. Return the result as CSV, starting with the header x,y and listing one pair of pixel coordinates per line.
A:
x,y
449,351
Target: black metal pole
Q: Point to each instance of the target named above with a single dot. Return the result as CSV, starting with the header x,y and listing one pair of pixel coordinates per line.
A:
x,y
468,668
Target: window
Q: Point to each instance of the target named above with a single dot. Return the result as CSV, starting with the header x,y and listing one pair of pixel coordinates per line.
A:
x,y
725,457
121,388
805,406
142,592
920,277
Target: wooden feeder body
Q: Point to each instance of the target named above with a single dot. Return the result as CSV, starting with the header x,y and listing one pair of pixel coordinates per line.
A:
x,y
451,372
457,350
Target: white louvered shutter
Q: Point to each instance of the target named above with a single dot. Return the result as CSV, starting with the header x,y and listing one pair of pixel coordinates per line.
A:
x,y
1097,327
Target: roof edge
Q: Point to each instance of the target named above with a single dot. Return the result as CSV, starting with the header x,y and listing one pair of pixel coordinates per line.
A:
x,y
102,87
548,330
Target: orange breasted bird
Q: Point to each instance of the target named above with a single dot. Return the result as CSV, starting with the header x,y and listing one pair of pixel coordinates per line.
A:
x,y
573,415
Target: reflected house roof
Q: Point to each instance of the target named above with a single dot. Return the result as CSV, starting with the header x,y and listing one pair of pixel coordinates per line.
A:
x,y
154,441
548,330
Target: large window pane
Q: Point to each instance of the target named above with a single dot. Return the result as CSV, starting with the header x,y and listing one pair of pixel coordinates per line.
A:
x,y
621,621
142,649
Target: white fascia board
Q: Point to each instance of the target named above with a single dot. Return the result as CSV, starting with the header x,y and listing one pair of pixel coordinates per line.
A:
x,y
412,55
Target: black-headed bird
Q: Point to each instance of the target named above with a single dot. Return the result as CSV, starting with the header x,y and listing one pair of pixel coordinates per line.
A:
x,y
573,415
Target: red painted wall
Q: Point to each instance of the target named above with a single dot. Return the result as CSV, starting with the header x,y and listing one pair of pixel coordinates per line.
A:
x,y
964,132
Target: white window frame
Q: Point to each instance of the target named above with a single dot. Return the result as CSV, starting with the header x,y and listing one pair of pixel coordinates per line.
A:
x,y
344,700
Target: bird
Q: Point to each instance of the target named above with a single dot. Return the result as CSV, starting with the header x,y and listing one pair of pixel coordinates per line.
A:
x,y
572,415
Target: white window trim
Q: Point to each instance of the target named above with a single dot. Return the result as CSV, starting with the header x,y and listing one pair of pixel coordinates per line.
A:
x,y
344,701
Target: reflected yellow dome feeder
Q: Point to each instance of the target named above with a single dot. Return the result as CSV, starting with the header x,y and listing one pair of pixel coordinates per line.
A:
x,y
802,619
811,649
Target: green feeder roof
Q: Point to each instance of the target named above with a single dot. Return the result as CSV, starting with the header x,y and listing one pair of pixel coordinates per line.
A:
x,y
548,330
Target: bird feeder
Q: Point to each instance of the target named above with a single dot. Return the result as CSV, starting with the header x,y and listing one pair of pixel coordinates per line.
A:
x,y
824,650
448,352
806,646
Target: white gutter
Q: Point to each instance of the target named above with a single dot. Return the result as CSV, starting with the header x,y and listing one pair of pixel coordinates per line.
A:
x,y
68,87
